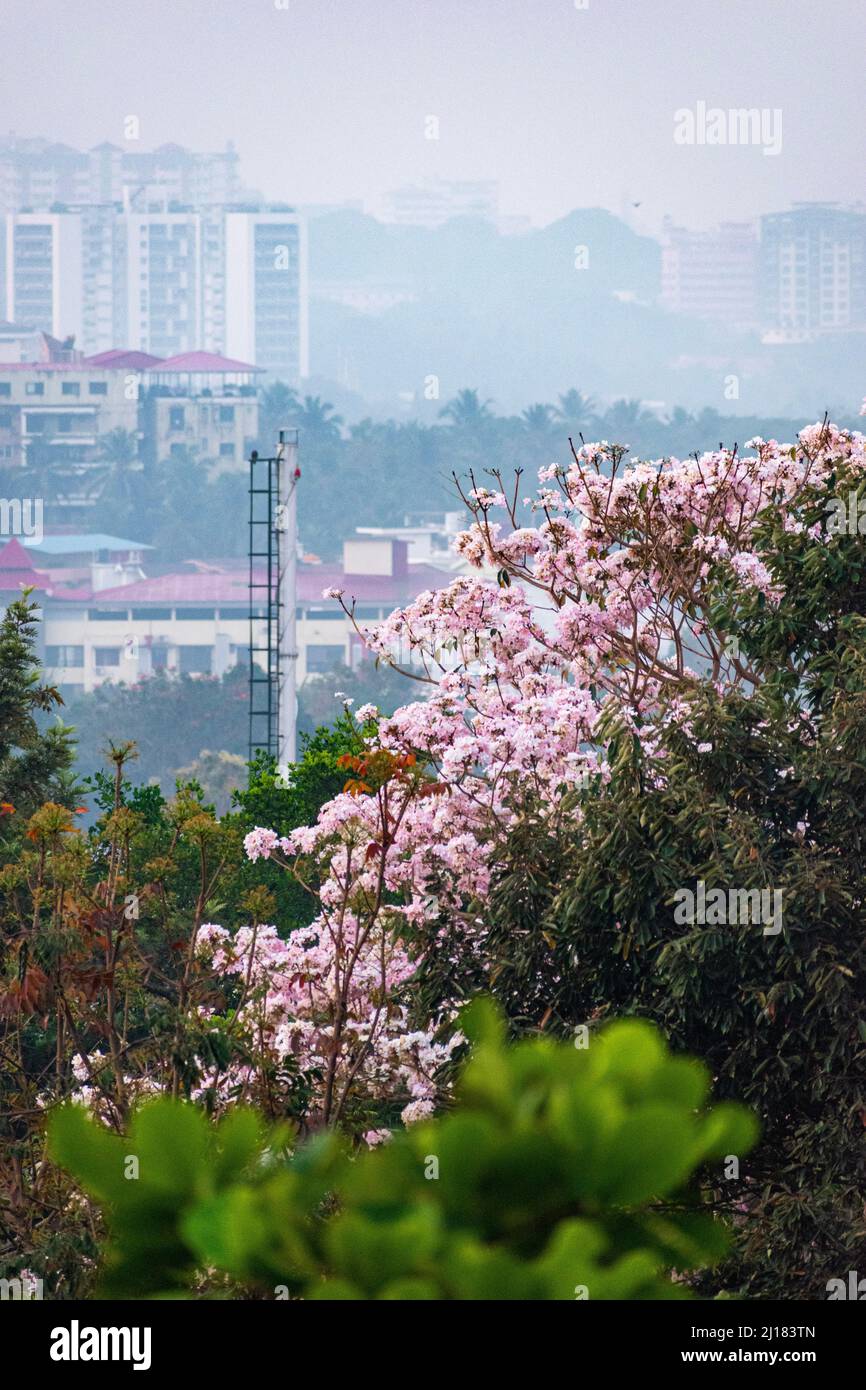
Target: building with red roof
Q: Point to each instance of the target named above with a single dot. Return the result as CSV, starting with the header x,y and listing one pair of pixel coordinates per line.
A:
x,y
16,570
196,621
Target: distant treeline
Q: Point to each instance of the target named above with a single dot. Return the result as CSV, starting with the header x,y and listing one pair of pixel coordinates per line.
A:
x,y
371,473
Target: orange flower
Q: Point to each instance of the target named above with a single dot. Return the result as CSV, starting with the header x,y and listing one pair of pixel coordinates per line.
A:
x,y
6,808
81,810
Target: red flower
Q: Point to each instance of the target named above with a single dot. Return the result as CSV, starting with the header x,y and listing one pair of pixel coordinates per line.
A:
x,y
6,808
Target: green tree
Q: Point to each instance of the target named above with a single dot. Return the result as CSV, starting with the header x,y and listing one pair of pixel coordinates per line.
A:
x,y
467,410
35,761
747,794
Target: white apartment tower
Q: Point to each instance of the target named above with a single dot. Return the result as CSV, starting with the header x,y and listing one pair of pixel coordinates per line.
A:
x,y
163,276
42,272
266,291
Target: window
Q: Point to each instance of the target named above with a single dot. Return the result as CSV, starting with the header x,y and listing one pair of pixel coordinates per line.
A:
x,y
324,615
195,660
322,658
35,424
98,388
106,656
102,615
5,388
5,419
227,415
35,388
227,451
162,615
64,656
176,417
64,424
189,614
70,388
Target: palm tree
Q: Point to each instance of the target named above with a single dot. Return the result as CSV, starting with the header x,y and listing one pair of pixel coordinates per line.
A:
x,y
278,407
316,417
624,416
539,420
576,410
467,411
118,457
41,470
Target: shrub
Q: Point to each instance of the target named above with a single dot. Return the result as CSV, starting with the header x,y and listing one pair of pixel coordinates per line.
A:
x,y
562,1173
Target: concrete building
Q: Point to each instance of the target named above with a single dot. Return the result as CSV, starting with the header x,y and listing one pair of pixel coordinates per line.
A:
x,y
36,173
813,271
152,249
712,275
43,280
432,202
199,402
192,402
266,296
64,406
194,623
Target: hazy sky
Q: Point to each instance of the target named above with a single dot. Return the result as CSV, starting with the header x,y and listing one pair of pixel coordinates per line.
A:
x,y
327,100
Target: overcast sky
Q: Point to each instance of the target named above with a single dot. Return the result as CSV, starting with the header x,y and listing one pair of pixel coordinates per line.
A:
x,y
327,100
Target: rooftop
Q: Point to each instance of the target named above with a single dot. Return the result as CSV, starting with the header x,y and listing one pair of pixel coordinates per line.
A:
x,y
230,586
85,543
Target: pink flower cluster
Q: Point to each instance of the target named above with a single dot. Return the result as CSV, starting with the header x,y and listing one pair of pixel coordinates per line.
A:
x,y
288,991
605,601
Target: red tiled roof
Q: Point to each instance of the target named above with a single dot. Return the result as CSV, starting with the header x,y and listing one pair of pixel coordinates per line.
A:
x,y
231,587
16,569
124,357
204,362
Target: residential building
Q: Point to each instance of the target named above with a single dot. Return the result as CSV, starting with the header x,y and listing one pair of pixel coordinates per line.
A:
x,y
194,402
62,405
713,274
265,257
43,282
432,202
813,271
197,623
36,173
202,403
19,344
152,249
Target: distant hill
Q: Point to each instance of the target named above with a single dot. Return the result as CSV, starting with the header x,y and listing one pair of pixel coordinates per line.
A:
x,y
513,316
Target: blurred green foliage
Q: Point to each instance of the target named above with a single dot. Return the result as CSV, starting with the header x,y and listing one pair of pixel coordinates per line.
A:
x,y
563,1172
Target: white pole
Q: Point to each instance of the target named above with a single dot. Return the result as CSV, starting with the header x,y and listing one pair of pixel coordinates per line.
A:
x,y
287,539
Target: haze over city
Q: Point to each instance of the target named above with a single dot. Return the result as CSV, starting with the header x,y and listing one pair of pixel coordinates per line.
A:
x,y
326,100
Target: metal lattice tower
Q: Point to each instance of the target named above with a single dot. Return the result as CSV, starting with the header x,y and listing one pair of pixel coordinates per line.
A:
x,y
272,600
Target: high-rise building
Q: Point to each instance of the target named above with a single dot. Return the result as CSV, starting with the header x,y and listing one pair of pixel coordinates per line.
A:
x,y
163,269
151,250
265,291
43,271
36,173
813,270
712,275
